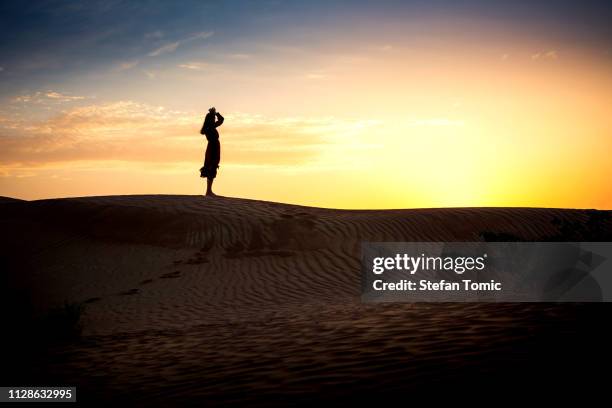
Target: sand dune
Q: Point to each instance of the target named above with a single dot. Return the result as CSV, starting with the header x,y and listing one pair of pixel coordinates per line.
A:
x,y
188,296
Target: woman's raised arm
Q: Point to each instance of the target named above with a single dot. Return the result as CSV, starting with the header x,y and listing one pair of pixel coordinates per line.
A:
x,y
220,120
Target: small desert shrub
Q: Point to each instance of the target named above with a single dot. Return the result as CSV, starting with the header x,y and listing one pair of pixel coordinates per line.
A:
x,y
596,227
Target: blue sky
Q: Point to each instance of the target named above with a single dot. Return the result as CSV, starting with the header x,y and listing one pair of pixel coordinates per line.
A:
x,y
48,41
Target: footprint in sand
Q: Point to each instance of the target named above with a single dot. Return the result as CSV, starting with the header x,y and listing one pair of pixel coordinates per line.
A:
x,y
92,300
171,275
130,292
197,260
146,281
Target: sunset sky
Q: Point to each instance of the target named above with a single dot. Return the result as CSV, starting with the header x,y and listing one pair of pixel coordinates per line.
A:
x,y
345,104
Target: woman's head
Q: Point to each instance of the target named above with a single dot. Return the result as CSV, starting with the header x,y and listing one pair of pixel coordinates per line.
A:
x,y
209,120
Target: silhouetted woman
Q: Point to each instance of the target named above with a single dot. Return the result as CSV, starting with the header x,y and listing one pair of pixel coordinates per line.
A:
x,y
213,149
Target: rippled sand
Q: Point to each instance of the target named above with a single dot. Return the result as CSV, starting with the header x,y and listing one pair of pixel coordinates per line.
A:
x,y
232,300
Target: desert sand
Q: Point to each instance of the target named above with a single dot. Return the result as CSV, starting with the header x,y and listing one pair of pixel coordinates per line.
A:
x,y
235,300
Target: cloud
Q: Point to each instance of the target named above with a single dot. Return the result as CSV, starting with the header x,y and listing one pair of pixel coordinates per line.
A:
x,y
124,66
129,131
171,47
1,69
62,97
196,66
121,130
200,36
550,55
43,97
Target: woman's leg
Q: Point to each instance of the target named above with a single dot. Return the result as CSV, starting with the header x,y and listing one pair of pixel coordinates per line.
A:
x,y
209,183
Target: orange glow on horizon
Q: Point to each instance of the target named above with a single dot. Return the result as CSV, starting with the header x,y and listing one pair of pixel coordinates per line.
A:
x,y
361,126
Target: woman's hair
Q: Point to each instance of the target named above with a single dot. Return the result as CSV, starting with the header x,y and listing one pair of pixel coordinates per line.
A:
x,y
209,120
